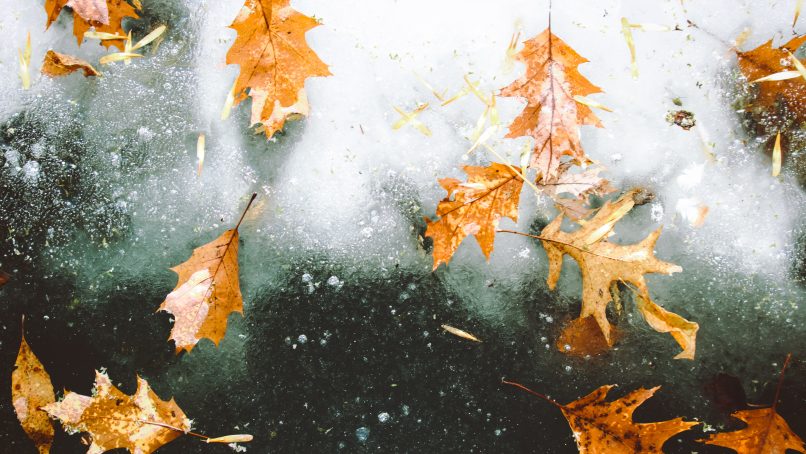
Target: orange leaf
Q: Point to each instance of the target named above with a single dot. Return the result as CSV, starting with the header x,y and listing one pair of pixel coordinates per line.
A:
x,y
31,389
140,423
551,116
766,60
607,427
208,290
90,14
602,427
275,61
766,432
56,64
602,263
474,208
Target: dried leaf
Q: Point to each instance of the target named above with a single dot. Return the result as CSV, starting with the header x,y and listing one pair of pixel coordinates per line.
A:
x,y
580,186
117,56
4,278
776,156
766,60
460,333
113,25
602,263
56,65
602,427
238,438
627,32
31,389
156,33
663,321
208,290
140,423
93,11
411,118
25,63
275,61
783,75
551,116
766,432
607,427
474,208
200,153
583,337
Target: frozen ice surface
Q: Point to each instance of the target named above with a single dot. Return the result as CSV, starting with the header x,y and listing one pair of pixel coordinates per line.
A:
x,y
100,196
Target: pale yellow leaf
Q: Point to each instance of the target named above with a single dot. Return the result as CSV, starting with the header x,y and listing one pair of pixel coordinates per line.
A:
x,y
627,32
460,333
776,156
591,103
117,56
150,37
200,152
783,75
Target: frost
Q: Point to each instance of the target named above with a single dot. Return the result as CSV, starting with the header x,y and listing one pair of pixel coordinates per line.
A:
x,y
362,434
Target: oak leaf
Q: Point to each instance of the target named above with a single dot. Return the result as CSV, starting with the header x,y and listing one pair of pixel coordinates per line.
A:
x,y
551,117
140,423
31,389
474,208
57,64
766,60
579,185
90,14
208,290
603,263
766,432
4,278
275,61
602,427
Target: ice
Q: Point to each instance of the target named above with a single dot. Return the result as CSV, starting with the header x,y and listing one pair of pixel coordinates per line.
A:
x,y
100,196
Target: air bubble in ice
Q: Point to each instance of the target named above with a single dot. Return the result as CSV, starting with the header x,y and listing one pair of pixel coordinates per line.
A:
x,y
362,433
302,339
30,171
383,417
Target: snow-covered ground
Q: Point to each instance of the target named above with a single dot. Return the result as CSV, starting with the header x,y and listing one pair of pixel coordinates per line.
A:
x,y
343,194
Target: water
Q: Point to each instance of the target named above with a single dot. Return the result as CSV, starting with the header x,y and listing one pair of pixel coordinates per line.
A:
x,y
340,347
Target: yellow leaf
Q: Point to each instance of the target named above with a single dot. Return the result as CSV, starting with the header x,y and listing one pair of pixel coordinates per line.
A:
x,y
200,152
625,30
776,156
25,63
460,333
117,56
783,75
150,37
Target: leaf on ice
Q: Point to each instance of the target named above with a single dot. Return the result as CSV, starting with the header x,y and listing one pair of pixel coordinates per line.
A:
x,y
474,208
275,61
208,290
602,426
552,116
140,423
602,263
57,64
31,389
90,15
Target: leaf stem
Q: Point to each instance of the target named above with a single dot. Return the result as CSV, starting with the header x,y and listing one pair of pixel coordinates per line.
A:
x,y
542,396
550,240
243,215
781,380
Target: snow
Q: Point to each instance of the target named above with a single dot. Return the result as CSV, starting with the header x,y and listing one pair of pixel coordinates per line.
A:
x,y
342,195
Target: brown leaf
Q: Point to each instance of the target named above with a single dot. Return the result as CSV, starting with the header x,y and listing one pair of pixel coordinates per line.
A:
x,y
140,423
116,11
766,432
603,263
580,186
602,427
582,337
4,278
607,427
551,116
93,11
275,61
663,321
474,208
31,389
56,64
766,60
208,290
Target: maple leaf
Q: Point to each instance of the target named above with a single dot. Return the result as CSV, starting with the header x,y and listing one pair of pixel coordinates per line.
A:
x,y
31,389
474,208
56,64
106,16
551,116
766,432
208,290
275,61
602,427
140,423
766,60
603,263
